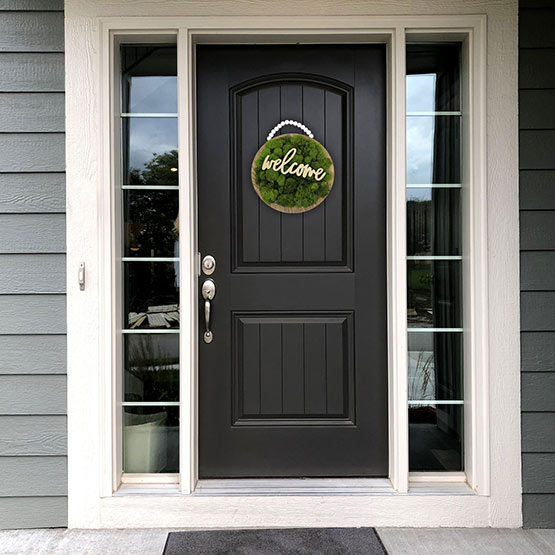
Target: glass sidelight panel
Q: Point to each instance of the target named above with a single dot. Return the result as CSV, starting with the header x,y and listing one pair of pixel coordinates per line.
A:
x,y
150,258
151,439
151,223
151,369
434,293
434,257
150,155
435,366
435,437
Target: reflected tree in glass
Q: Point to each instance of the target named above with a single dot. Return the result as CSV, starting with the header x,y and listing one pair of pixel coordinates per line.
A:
x,y
161,170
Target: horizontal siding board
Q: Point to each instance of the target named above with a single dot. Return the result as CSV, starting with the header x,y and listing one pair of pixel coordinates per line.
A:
x,y
536,108
32,233
538,432
537,311
538,392
32,273
31,112
536,230
534,67
32,152
32,314
32,5
31,72
538,510
33,354
32,192
537,190
537,149
26,435
32,32
33,512
536,28
33,395
538,351
536,271
33,476
538,472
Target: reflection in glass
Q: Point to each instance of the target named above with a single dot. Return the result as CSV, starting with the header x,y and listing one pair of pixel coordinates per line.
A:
x,y
434,293
149,78
433,77
151,223
150,439
151,291
435,366
435,437
433,149
150,151
151,369
433,221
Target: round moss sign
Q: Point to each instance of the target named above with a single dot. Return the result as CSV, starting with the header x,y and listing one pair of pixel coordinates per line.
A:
x,y
292,173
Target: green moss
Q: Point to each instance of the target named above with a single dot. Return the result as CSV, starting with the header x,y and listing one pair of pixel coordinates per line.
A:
x,y
291,190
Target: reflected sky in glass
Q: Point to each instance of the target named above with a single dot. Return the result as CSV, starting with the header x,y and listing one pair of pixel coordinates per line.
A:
x,y
150,136
421,97
152,94
421,92
420,149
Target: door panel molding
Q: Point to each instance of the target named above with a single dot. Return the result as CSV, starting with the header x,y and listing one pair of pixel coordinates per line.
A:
x,y
312,346
302,97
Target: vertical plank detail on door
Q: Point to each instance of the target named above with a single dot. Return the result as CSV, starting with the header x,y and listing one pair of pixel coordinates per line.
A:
x,y
291,224
315,368
270,369
335,362
293,384
270,220
313,221
249,230
249,357
334,136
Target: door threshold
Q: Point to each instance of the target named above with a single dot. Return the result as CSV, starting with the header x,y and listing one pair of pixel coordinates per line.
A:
x,y
294,486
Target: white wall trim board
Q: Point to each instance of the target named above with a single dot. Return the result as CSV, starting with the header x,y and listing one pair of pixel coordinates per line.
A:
x,y
492,290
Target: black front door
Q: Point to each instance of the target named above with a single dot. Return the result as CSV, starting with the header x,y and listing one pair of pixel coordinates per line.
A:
x,y
294,382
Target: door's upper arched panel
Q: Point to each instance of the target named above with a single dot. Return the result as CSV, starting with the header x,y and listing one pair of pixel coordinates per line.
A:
x,y
266,240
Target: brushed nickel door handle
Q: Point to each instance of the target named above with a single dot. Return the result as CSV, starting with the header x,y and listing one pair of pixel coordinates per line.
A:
x,y
208,293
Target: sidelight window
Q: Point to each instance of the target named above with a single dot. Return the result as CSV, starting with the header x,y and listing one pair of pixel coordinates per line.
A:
x,y
434,257
150,259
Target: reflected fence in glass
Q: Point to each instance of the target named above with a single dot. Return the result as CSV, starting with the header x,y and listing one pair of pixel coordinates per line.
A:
x,y
150,259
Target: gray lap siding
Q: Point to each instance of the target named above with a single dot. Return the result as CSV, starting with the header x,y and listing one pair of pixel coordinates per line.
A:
x,y
33,424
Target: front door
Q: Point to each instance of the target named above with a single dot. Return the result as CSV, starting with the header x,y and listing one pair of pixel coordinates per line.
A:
x,y
294,380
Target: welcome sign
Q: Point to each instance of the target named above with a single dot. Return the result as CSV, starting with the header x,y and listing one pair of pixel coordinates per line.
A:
x,y
292,173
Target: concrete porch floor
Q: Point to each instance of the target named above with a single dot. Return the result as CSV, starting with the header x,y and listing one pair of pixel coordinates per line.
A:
x,y
398,541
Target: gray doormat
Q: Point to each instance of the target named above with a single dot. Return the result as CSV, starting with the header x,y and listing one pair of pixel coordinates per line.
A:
x,y
292,541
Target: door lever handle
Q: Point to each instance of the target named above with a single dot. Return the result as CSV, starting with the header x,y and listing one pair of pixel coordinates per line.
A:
x,y
208,293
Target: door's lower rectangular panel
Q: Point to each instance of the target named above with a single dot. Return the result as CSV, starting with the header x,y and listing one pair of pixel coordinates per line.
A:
x,y
293,369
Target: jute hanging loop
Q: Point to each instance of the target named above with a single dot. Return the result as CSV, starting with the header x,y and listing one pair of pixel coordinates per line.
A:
x,y
292,173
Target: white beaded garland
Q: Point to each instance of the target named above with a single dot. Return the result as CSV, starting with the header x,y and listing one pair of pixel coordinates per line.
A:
x,y
301,126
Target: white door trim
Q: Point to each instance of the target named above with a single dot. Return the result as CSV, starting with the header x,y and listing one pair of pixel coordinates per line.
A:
x,y
91,355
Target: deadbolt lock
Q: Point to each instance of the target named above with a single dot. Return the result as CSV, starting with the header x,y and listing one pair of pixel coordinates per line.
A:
x,y
208,265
